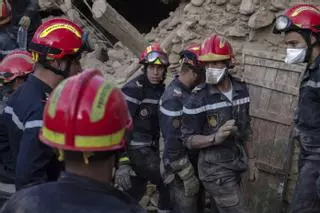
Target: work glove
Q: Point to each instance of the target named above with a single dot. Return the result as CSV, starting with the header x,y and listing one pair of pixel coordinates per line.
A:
x,y
224,131
25,22
191,186
123,176
253,171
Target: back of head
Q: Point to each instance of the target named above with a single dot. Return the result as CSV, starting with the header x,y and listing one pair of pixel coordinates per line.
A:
x,y
57,39
86,116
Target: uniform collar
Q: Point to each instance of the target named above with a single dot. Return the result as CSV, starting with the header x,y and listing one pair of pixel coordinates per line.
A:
x,y
90,184
39,84
181,85
315,64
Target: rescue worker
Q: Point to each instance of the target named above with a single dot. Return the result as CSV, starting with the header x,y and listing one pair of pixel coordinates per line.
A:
x,y
88,130
14,69
24,13
301,26
142,162
216,121
56,48
180,167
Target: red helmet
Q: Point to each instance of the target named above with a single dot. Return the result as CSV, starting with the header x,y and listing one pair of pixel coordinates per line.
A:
x,y
56,38
300,16
153,54
190,55
95,119
5,8
16,64
215,48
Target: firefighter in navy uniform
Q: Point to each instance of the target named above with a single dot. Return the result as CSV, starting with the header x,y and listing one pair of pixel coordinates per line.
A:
x,y
88,130
216,121
142,162
301,26
179,166
55,47
14,70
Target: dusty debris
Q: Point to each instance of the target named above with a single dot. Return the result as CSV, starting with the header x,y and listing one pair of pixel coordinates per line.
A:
x,y
247,7
261,18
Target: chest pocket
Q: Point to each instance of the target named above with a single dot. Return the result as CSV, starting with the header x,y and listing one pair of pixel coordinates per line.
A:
x,y
217,114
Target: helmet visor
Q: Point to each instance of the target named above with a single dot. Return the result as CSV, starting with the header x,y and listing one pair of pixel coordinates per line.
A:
x,y
157,58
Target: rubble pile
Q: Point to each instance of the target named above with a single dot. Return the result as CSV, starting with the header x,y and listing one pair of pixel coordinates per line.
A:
x,y
245,23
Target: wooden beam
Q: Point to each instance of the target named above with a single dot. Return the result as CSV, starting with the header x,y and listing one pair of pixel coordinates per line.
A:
x,y
271,116
118,26
269,59
285,88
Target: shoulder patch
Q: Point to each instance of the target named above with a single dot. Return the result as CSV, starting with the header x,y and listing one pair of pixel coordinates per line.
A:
x,y
198,88
177,92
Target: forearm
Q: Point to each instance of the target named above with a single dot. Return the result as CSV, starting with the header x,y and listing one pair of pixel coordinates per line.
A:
x,y
199,141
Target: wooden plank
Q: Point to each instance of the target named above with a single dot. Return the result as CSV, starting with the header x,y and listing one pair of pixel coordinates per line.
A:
x,y
271,116
118,26
267,59
285,88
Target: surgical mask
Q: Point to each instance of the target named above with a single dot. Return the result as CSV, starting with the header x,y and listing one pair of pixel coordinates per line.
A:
x,y
214,75
295,55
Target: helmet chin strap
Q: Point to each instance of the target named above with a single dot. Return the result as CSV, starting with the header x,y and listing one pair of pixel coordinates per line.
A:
x,y
306,34
64,73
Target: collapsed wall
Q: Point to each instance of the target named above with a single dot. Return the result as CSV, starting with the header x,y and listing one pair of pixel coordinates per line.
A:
x,y
247,24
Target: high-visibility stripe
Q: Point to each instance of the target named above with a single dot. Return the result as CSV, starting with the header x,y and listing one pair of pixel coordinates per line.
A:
x,y
136,101
33,124
84,141
54,137
215,106
100,100
170,112
99,141
14,117
150,101
132,100
312,84
124,159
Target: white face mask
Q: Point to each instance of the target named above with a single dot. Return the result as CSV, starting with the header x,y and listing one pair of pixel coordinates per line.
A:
x,y
214,75
295,55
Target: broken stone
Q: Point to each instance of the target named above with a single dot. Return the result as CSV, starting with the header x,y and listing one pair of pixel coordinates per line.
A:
x,y
174,58
176,48
247,7
188,36
197,3
174,22
116,54
111,71
202,22
252,35
116,64
235,2
261,18
163,23
176,40
244,18
232,9
279,4
192,9
120,69
221,2
46,5
237,31
150,37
